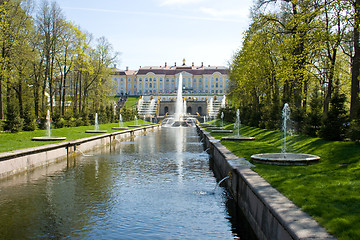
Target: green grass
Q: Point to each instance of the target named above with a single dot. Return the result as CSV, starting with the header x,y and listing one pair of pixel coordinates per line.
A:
x,y
329,190
131,102
15,141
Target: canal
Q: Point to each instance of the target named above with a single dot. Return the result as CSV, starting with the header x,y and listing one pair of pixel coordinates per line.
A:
x,y
158,186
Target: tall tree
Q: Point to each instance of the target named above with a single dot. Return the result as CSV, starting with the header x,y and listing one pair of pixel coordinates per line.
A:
x,y
50,23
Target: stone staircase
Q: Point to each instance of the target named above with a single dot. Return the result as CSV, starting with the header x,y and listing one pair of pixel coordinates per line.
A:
x,y
147,108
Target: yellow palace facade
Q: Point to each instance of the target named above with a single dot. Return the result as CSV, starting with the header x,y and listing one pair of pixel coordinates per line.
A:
x,y
163,80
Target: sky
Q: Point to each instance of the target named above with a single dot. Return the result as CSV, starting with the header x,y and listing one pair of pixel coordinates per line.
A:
x,y
152,32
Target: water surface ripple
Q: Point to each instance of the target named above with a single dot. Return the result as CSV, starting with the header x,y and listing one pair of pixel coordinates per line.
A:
x,y
154,187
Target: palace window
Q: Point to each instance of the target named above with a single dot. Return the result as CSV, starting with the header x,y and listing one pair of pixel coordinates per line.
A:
x,y
150,85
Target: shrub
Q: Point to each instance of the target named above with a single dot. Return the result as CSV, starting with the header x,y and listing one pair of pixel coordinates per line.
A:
x,y
334,123
229,114
60,123
128,114
313,119
29,119
354,130
14,123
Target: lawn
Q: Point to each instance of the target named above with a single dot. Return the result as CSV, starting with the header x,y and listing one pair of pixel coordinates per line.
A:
x,y
131,102
14,141
329,190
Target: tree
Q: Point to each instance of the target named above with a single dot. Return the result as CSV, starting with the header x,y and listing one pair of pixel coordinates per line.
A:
x,y
50,24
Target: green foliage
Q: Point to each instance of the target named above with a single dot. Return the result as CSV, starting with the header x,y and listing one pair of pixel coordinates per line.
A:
x,y
334,123
285,55
229,114
110,113
29,119
128,114
14,123
2,124
85,118
354,130
313,118
271,116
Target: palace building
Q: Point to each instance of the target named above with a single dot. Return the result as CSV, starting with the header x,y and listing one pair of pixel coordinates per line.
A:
x,y
163,80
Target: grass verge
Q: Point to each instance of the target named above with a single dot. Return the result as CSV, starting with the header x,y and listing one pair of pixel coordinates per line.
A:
x,y
131,102
329,190
15,141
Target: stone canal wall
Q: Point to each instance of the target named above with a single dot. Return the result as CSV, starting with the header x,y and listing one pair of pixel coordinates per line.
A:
x,y
26,159
270,214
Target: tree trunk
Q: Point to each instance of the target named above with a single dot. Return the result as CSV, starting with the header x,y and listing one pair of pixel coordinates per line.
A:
x,y
63,96
1,100
354,104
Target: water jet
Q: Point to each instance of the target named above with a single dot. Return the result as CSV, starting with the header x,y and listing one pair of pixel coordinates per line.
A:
x,y
285,158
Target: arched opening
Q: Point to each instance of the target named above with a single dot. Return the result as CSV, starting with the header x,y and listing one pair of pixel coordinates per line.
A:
x,y
199,110
188,110
166,109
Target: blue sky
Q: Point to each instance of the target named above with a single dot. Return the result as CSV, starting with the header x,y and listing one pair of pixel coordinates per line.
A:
x,y
152,32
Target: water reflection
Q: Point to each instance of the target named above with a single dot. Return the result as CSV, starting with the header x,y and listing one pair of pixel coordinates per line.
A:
x,y
156,187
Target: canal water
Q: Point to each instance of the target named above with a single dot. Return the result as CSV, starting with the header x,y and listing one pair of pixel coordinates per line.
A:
x,y
158,186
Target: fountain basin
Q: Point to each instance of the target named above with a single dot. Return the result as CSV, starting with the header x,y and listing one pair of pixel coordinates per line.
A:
x,y
207,125
237,138
134,125
120,128
48,138
95,131
215,128
221,131
286,159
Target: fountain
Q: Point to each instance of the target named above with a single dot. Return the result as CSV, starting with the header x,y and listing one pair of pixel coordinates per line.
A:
x,y
222,119
48,129
237,126
285,158
136,122
121,124
223,102
179,107
96,126
211,108
179,119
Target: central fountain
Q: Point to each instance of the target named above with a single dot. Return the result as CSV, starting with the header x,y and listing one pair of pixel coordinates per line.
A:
x,y
179,119
285,158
